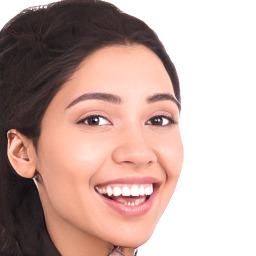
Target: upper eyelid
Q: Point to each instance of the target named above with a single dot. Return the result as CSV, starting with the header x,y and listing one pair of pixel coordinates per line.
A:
x,y
164,114
87,114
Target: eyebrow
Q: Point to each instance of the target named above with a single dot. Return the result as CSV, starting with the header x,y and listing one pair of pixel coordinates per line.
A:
x,y
162,97
111,98
96,96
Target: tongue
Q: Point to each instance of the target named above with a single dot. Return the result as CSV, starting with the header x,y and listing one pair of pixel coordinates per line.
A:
x,y
129,199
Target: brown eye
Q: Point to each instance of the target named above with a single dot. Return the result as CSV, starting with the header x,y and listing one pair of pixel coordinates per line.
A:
x,y
94,120
160,121
157,120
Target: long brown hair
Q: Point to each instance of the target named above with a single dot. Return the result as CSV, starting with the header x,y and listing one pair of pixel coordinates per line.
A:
x,y
40,49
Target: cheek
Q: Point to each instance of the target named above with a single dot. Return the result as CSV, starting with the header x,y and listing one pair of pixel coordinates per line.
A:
x,y
171,159
71,154
67,165
171,154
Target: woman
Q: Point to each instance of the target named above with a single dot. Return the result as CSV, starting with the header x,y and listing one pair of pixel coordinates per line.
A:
x,y
90,105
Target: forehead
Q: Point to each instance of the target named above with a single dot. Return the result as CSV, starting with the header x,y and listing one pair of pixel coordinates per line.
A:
x,y
132,72
125,66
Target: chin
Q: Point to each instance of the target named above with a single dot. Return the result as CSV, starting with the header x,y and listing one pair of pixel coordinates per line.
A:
x,y
132,238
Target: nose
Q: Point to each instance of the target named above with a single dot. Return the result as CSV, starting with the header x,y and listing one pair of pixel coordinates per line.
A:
x,y
134,149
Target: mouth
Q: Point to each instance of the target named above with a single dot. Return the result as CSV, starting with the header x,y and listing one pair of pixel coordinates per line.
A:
x,y
129,197
127,194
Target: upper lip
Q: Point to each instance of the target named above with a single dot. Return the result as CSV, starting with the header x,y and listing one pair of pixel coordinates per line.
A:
x,y
132,180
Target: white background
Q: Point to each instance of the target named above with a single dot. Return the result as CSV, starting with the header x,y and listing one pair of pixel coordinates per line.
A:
x,y
213,45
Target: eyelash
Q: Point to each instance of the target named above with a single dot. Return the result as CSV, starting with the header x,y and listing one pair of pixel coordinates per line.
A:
x,y
169,119
86,119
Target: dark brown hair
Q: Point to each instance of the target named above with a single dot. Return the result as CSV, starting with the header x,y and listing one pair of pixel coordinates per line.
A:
x,y
40,49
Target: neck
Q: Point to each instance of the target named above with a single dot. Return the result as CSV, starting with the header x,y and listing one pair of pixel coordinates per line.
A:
x,y
71,241
121,251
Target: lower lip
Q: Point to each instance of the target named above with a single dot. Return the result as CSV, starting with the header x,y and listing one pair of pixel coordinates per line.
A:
x,y
128,210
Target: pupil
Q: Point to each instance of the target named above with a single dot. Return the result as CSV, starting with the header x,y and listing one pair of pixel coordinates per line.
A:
x,y
157,121
94,120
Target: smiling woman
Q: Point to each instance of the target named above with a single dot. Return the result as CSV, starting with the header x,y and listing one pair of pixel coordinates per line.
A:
x,y
90,104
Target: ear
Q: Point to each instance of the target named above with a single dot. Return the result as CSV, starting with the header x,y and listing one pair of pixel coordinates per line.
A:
x,y
21,153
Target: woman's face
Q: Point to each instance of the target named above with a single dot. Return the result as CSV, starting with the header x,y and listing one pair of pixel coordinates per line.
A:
x,y
110,152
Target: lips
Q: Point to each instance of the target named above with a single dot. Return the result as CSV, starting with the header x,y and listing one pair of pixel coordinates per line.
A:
x,y
130,196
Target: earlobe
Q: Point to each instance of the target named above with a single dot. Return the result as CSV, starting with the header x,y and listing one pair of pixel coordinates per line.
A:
x,y
21,154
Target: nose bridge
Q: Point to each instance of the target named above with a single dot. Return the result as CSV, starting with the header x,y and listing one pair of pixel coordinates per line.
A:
x,y
134,147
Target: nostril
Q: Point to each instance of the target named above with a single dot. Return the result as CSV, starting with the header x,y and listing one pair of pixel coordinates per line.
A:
x,y
136,160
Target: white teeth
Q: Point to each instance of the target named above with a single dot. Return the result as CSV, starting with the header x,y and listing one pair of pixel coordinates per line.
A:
x,y
126,190
117,191
99,190
149,190
139,201
135,191
109,191
142,193
136,202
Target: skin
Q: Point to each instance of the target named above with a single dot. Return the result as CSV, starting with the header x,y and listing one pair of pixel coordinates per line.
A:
x,y
73,157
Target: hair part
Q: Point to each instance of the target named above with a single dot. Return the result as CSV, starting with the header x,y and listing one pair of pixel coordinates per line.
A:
x,y
40,49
